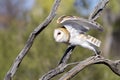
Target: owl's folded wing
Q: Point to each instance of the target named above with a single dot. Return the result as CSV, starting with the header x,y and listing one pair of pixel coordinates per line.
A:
x,y
79,23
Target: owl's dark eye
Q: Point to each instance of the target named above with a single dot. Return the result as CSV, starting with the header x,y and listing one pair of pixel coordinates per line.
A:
x,y
59,33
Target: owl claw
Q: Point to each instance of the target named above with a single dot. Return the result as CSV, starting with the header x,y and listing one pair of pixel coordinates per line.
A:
x,y
97,53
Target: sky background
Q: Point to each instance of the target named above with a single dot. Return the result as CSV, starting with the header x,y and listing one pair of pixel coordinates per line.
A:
x,y
83,9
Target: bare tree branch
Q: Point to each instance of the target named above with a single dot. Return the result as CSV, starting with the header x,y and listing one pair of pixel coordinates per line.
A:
x,y
30,40
67,54
113,65
98,10
62,65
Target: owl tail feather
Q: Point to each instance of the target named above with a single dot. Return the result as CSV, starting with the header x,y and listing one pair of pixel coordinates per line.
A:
x,y
93,41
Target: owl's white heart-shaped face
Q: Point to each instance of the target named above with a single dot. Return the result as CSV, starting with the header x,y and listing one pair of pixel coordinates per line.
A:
x,y
61,35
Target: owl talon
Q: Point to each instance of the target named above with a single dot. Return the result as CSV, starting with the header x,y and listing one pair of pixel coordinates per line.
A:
x,y
97,53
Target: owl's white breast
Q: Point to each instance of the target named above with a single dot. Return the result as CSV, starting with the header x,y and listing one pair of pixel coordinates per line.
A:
x,y
77,40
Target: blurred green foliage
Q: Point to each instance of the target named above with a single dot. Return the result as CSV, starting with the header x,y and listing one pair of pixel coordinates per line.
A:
x,y
45,53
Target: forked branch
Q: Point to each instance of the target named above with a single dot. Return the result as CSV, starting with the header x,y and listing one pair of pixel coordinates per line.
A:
x,y
113,65
61,67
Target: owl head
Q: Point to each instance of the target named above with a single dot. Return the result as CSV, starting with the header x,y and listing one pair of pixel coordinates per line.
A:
x,y
61,35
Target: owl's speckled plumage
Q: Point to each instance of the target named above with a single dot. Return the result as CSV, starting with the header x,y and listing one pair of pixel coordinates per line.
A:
x,y
73,31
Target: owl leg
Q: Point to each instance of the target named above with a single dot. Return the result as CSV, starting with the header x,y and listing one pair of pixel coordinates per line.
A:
x,y
94,49
97,52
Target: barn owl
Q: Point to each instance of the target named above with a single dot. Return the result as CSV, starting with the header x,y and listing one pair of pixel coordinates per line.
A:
x,y
73,31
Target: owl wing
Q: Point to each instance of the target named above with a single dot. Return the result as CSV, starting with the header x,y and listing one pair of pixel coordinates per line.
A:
x,y
79,24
